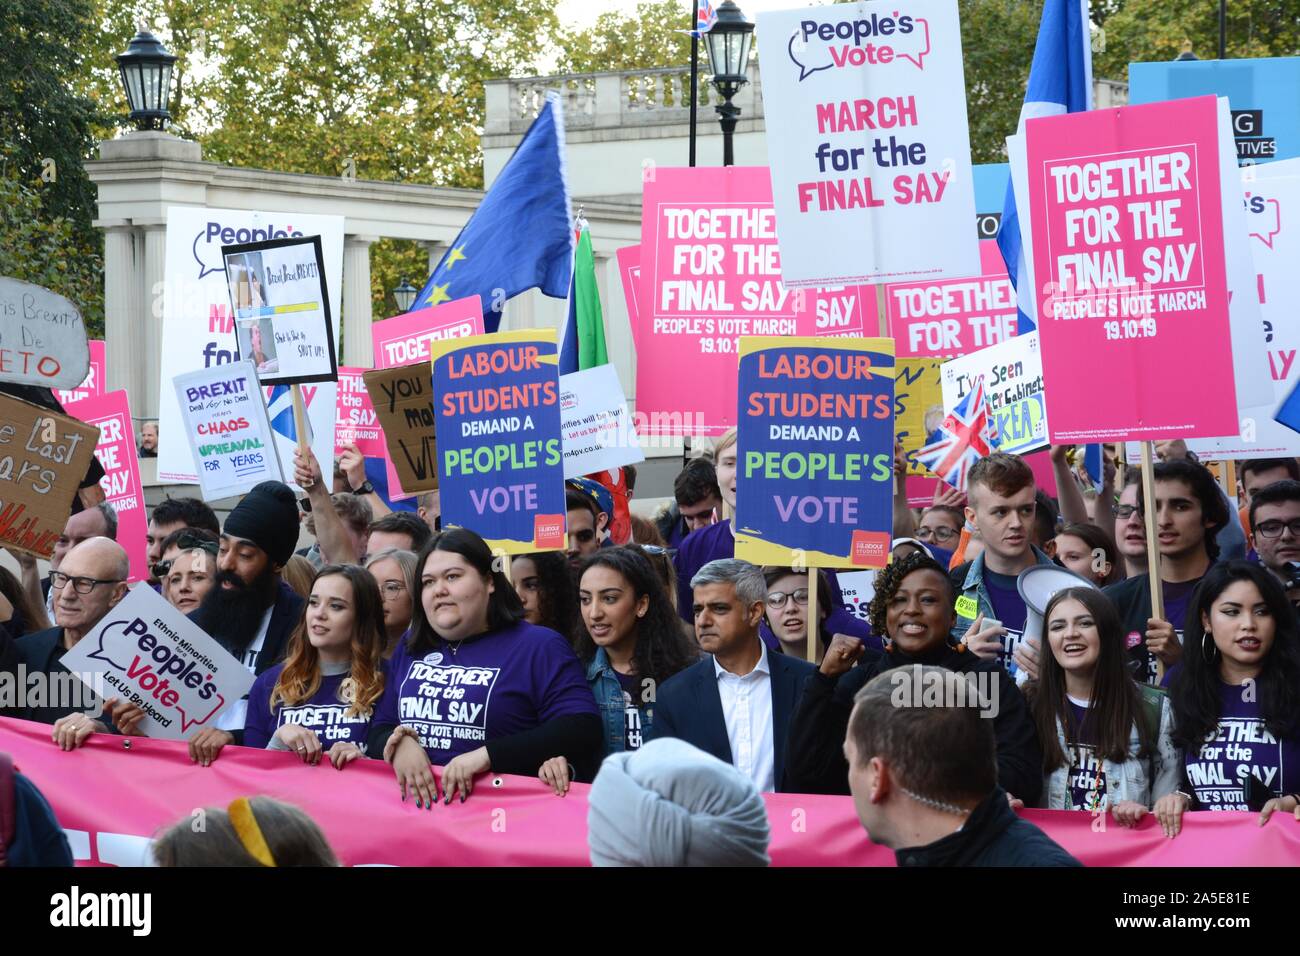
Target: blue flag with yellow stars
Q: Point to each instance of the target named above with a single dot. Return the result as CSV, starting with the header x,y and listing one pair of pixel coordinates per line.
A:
x,y
521,235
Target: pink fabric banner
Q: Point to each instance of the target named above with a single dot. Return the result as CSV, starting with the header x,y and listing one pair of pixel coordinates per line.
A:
x,y
92,386
111,801
116,451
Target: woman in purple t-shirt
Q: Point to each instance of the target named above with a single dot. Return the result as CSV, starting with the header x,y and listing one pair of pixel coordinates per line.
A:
x,y
1236,697
476,688
321,699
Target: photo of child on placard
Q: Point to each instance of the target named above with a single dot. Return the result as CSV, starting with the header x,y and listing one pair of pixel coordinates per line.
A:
x,y
253,332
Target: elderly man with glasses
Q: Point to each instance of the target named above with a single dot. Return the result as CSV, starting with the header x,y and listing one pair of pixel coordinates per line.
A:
x,y
90,582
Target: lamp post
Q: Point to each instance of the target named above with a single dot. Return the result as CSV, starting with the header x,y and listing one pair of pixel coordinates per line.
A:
x,y
146,69
728,44
404,295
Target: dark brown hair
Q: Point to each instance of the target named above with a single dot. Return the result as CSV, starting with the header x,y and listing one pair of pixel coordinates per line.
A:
x,y
293,838
1097,539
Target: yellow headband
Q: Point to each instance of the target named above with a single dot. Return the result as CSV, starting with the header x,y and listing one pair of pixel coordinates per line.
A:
x,y
249,833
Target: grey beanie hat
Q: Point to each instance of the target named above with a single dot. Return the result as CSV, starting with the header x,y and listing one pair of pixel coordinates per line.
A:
x,y
671,804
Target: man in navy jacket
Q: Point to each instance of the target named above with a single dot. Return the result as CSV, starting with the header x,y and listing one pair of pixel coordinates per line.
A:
x,y
736,702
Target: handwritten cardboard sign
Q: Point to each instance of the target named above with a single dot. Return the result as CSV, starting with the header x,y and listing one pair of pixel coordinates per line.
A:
x,y
42,337
43,458
403,400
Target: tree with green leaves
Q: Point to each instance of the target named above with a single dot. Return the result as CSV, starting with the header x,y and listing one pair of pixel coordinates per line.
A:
x,y
657,35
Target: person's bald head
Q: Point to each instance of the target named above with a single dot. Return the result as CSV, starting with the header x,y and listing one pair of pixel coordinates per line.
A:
x,y
99,565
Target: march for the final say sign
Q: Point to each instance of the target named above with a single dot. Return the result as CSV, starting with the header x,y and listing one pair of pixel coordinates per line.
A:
x,y
816,436
500,458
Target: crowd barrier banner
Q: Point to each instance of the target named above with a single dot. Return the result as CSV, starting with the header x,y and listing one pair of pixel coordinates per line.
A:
x,y
112,801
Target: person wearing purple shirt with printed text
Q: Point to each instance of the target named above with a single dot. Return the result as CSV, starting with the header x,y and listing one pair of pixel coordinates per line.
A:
x,y
1236,698
320,701
475,688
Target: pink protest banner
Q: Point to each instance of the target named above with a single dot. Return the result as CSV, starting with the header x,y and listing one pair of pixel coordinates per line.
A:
x,y
710,272
93,384
1127,225
629,271
944,319
112,802
355,421
121,482
404,340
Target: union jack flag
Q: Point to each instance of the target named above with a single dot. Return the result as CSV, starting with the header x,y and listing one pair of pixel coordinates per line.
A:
x,y
705,19
968,434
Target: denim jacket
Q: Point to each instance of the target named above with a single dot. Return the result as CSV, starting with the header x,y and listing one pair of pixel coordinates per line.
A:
x,y
605,686
973,597
1142,780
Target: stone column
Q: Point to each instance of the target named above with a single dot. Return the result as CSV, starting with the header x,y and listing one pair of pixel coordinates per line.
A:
x,y
358,350
436,251
146,406
122,359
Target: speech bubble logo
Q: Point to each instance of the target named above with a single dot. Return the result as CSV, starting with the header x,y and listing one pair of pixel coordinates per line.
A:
x,y
1266,218
188,722
859,43
801,47
920,37
204,268
111,630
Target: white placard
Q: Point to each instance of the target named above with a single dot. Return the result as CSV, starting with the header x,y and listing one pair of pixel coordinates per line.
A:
x,y
152,655
224,423
42,337
595,426
874,151
1013,387
857,588
199,329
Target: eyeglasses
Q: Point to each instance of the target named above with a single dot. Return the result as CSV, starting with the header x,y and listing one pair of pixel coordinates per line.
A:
x,y
392,588
81,585
1274,528
938,534
777,599
1125,512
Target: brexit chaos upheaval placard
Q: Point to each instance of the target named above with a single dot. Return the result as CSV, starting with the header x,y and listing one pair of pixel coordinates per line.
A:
x,y
500,454
225,425
816,440
870,102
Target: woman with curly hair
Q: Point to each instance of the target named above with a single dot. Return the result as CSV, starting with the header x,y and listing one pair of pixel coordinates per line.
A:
x,y
548,592
913,612
630,645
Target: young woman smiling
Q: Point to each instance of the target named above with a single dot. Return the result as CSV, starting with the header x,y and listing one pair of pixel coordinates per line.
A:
x,y
1236,697
1106,740
475,687
630,645
321,700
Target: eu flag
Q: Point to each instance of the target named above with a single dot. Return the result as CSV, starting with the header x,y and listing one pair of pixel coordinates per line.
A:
x,y
521,235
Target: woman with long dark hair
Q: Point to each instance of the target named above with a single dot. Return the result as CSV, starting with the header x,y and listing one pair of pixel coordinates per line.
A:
x,y
913,612
475,687
1105,739
547,591
631,643
1089,552
1236,698
321,700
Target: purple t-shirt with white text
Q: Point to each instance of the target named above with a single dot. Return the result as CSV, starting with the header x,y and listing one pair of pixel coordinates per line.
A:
x,y
461,695
1087,778
325,713
1009,608
1242,746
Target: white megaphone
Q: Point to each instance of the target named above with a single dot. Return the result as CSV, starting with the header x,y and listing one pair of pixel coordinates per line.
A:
x,y
1037,586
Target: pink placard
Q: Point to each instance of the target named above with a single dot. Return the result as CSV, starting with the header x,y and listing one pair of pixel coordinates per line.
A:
x,y
1126,212
920,488
953,317
355,419
629,271
93,384
404,340
116,452
710,273
112,801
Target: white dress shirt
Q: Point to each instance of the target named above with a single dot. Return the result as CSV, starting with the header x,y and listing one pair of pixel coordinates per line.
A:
x,y
747,710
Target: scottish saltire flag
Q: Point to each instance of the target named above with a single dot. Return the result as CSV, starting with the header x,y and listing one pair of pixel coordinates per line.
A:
x,y
1060,81
521,236
584,332
967,435
279,409
705,18
1094,464
1288,413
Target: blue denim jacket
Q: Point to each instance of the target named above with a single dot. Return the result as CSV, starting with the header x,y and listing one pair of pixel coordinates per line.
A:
x,y
608,692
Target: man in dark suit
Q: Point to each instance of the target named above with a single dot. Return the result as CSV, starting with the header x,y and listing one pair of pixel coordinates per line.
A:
x,y
736,702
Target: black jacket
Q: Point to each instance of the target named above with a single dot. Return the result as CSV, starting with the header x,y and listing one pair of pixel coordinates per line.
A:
x,y
1132,598
688,707
992,836
815,757
42,652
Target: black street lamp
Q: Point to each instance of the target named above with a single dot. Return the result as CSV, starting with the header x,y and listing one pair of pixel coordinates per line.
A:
x,y
146,69
404,295
728,43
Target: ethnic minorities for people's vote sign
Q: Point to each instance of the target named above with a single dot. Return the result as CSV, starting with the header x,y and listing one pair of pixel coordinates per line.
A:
x,y
871,171
500,456
152,655
1013,387
1128,245
225,424
597,430
816,439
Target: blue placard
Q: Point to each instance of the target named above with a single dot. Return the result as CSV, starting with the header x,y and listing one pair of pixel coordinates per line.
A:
x,y
990,193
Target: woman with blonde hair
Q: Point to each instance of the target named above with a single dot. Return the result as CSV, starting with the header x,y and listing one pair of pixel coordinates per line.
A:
x,y
320,701
394,572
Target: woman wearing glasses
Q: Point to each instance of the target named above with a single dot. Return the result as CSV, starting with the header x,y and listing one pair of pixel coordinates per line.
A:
x,y
394,572
785,612
940,529
188,568
630,645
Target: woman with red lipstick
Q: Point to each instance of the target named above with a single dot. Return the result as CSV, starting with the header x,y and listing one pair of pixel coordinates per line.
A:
x,y
1236,698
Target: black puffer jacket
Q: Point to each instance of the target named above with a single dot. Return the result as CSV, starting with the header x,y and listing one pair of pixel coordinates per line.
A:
x,y
992,836
814,748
